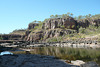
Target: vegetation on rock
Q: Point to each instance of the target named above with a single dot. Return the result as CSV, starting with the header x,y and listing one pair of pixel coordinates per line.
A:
x,y
19,31
61,28
1,38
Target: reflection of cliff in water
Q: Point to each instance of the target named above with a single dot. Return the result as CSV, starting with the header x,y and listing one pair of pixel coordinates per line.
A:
x,y
2,48
5,48
69,53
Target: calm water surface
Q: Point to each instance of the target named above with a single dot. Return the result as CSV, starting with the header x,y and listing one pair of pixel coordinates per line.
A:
x,y
68,53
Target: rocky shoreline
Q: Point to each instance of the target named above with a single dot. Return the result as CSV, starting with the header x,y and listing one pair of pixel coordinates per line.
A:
x,y
73,44
29,60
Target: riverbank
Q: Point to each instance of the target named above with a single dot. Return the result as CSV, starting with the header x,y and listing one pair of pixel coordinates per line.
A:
x,y
29,60
73,44
65,53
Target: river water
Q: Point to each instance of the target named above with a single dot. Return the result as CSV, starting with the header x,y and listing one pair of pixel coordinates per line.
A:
x,y
6,52
66,53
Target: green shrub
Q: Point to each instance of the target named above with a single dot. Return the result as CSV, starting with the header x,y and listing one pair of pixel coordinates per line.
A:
x,y
73,26
52,40
62,26
1,38
82,30
40,26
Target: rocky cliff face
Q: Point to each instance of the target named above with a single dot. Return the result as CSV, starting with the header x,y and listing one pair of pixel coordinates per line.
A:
x,y
53,27
97,22
84,23
11,37
68,23
32,25
45,34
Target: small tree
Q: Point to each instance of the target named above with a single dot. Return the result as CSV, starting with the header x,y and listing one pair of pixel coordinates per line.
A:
x,y
63,16
89,15
71,14
82,30
78,26
56,16
68,13
52,16
34,21
79,17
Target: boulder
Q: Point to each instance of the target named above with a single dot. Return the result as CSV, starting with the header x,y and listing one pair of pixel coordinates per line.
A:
x,y
77,62
89,64
70,23
32,25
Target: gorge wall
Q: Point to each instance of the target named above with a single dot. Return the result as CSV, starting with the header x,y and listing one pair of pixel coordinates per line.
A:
x,y
54,27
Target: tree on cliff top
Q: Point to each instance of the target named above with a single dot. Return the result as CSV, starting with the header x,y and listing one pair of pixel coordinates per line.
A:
x,y
62,16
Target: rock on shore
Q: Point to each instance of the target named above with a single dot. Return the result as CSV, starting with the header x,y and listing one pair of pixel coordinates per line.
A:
x,y
90,64
29,60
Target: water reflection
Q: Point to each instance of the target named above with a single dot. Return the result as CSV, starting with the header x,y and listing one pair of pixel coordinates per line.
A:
x,y
6,52
68,53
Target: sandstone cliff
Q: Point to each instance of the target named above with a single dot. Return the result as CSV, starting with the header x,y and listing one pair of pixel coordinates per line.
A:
x,y
56,27
68,23
51,28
